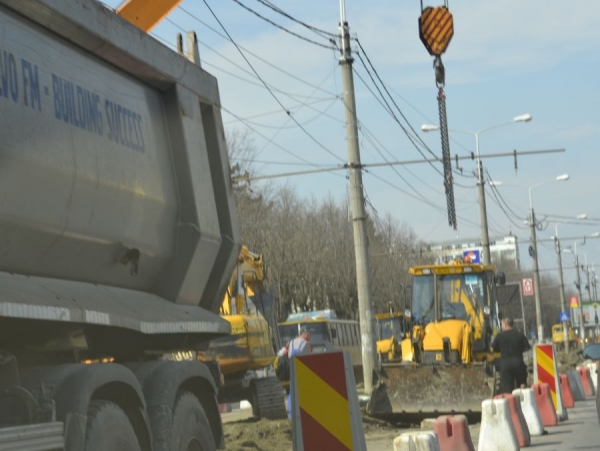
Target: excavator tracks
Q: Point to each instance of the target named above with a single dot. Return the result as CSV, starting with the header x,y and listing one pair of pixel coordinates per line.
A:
x,y
268,399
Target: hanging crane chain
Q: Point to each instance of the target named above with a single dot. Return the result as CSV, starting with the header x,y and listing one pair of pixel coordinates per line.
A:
x,y
447,162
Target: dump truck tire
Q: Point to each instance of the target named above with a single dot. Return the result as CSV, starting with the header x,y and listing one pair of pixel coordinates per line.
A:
x,y
191,429
109,429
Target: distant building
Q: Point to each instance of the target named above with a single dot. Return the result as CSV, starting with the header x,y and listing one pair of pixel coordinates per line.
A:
x,y
503,249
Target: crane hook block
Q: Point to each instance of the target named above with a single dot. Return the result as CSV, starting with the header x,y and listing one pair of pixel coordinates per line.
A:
x,y
436,28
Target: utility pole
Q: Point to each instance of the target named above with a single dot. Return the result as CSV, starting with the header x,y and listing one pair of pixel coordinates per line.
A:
x,y
562,290
581,319
485,238
363,270
587,278
534,254
536,275
594,283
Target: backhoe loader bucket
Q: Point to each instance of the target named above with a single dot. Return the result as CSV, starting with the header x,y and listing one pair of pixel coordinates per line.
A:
x,y
413,392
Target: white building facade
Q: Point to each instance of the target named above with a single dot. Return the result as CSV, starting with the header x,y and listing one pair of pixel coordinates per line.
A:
x,y
502,249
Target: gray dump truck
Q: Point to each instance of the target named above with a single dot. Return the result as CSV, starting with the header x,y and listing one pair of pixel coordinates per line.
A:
x,y
117,234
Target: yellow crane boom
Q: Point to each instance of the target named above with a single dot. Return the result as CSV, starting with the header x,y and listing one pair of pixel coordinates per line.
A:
x,y
146,14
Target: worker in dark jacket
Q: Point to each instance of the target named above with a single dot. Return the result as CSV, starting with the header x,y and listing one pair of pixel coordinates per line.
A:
x,y
511,344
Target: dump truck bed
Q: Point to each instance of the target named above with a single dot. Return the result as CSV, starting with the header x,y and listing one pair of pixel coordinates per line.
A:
x,y
117,208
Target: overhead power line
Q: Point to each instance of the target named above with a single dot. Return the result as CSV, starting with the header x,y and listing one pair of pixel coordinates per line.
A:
x,y
270,141
320,32
401,163
415,133
250,10
269,89
278,110
283,163
265,61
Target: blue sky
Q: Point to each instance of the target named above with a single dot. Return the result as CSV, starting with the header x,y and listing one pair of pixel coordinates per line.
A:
x,y
506,59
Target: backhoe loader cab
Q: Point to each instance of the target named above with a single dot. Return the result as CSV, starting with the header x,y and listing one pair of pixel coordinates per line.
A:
x,y
454,301
389,325
391,330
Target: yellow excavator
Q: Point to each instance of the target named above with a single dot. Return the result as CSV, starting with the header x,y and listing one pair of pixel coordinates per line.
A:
x,y
443,363
247,355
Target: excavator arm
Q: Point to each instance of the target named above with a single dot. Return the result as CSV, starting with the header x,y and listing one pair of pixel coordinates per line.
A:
x,y
245,281
146,14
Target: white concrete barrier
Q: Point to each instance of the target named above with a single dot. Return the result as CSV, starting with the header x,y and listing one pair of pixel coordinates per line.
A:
x,y
245,405
530,411
417,441
497,432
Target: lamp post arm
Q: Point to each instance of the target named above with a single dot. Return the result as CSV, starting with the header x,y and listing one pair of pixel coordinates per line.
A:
x,y
502,124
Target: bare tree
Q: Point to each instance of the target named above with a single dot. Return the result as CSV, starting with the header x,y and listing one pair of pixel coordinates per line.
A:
x,y
308,244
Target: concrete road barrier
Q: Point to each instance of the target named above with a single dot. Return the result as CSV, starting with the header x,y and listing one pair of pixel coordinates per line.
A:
x,y
567,393
586,381
497,432
417,441
530,411
453,433
575,385
517,418
545,405
593,373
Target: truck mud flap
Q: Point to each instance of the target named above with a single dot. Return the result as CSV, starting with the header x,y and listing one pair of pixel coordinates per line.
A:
x,y
38,437
418,391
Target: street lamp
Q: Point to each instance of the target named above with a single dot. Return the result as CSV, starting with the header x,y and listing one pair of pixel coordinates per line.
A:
x,y
480,183
534,254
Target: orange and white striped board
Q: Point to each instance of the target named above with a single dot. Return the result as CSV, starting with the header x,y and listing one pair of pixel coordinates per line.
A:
x,y
545,370
325,409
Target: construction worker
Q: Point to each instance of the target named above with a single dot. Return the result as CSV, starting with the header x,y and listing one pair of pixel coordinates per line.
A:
x,y
511,344
298,345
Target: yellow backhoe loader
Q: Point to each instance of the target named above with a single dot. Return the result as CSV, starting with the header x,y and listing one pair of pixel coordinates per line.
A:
x,y
444,365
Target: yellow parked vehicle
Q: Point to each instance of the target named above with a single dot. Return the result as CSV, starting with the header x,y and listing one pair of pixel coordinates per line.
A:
x,y
558,336
445,364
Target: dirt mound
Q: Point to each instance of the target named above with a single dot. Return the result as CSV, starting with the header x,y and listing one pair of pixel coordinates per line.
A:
x,y
259,435
252,434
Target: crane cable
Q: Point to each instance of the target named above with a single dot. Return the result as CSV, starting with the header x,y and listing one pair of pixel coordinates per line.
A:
x,y
446,160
